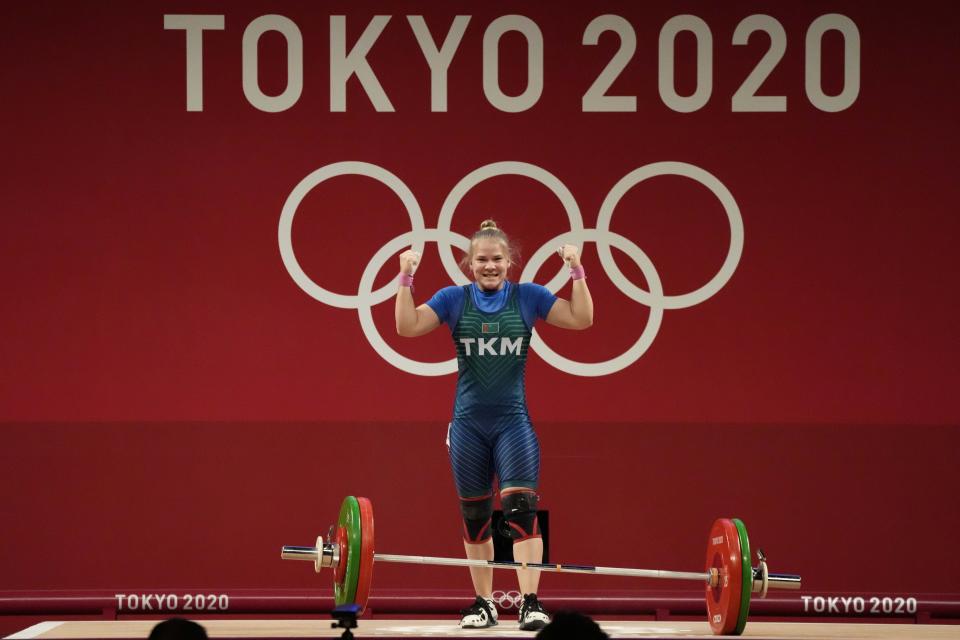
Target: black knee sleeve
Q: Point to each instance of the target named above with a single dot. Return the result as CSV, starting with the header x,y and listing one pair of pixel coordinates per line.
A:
x,y
476,518
520,514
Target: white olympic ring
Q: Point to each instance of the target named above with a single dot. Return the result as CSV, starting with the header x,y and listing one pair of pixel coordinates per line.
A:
x,y
655,299
507,599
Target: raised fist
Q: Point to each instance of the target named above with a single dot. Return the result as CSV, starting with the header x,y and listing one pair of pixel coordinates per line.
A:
x,y
409,260
569,254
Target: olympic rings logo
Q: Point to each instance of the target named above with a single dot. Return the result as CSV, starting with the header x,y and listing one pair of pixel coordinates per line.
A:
x,y
507,599
365,298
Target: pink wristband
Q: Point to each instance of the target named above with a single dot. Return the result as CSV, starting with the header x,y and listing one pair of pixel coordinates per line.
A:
x,y
577,273
406,280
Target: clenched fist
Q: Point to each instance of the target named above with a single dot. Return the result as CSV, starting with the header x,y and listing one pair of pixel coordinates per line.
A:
x,y
569,254
409,260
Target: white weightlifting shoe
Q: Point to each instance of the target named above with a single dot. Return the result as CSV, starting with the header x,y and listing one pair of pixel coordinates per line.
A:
x,y
482,613
532,615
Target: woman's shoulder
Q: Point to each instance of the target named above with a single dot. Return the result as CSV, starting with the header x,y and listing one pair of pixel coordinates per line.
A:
x,y
532,289
447,303
450,291
446,297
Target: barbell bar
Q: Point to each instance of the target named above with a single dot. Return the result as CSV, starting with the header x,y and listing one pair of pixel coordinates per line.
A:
x,y
310,554
729,577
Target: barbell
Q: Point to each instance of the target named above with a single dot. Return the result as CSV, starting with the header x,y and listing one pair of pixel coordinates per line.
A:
x,y
729,577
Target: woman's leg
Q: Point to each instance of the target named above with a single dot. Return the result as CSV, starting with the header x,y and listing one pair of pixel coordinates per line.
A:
x,y
527,543
471,459
517,458
482,576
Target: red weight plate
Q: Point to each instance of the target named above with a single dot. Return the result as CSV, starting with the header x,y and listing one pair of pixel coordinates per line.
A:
x,y
723,554
366,553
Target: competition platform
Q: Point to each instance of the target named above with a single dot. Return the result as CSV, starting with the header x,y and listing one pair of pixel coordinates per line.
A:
x,y
449,629
423,614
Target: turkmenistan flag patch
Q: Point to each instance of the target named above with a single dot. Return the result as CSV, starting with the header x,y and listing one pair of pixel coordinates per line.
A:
x,y
490,327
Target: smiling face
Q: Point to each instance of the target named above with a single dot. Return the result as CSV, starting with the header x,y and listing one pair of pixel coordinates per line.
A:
x,y
489,263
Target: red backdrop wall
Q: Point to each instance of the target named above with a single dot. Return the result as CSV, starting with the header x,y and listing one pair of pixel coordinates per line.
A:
x,y
167,385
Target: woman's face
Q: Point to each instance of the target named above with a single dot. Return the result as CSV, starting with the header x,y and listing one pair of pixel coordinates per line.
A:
x,y
489,264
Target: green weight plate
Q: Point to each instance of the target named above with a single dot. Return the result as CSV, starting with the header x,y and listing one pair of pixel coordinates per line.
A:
x,y
346,592
747,589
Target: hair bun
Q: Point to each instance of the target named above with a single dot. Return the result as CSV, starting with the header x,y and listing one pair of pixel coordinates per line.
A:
x,y
488,224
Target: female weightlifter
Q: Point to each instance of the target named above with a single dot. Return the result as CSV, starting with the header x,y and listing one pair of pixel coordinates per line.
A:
x,y
491,434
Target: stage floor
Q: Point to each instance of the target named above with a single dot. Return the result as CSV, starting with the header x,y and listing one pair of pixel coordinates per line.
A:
x,y
445,629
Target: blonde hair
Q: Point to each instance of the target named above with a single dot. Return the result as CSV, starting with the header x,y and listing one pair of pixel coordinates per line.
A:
x,y
490,231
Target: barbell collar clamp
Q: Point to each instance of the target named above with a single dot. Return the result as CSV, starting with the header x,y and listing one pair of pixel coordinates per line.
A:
x,y
783,581
323,555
